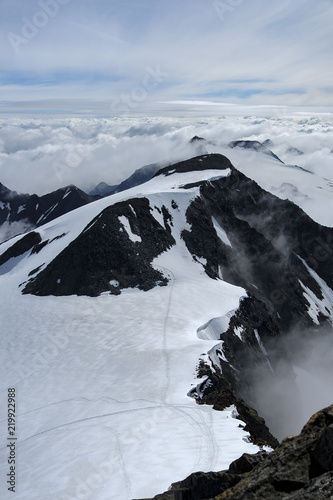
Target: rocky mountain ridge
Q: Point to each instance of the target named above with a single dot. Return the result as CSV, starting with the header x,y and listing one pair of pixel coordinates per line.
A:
x,y
37,210
241,234
234,231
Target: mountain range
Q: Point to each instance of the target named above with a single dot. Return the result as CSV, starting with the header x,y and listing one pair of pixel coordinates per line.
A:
x,y
34,211
31,211
184,300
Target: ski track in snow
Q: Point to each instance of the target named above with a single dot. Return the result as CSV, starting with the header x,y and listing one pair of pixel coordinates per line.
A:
x,y
102,383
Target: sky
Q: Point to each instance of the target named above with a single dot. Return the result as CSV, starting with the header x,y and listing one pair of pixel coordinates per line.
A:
x,y
91,90
125,56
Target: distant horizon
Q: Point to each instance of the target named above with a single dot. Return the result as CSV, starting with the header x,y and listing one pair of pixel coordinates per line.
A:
x,y
133,52
100,108
41,151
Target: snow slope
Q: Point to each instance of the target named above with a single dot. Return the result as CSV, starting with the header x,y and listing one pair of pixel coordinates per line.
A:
x,y
102,383
310,191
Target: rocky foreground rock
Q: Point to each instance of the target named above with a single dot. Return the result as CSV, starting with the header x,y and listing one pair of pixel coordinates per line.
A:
x,y
300,468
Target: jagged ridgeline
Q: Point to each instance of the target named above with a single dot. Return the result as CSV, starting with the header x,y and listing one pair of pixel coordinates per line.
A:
x,y
206,212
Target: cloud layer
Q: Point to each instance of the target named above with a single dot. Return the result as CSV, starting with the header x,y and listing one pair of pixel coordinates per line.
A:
x,y
41,155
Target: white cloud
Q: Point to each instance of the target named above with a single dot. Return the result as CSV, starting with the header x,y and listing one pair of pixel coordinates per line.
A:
x,y
41,155
9,230
278,53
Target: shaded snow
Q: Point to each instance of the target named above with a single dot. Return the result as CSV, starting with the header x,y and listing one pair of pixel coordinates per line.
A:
x,y
318,306
215,327
238,331
221,232
21,208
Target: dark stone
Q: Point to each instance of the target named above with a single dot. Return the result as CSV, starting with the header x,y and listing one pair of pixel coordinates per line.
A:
x,y
205,162
38,210
247,462
104,258
323,451
20,247
196,139
256,146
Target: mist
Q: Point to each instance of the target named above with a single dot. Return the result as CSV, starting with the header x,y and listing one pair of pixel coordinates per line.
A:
x,y
9,230
302,383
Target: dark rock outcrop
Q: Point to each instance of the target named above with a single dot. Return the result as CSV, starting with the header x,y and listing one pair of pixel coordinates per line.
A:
x,y
139,176
38,210
105,258
243,235
256,146
300,468
21,246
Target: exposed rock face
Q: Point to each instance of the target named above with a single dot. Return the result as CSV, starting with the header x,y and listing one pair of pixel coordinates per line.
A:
x,y
281,257
241,234
38,210
272,241
300,468
269,246
256,146
105,257
20,247
138,177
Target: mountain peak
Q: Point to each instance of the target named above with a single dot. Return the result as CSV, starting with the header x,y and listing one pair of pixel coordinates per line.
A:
x,y
196,138
5,192
213,161
256,146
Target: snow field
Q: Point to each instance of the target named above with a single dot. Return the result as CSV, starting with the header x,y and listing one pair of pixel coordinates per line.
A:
x,y
102,383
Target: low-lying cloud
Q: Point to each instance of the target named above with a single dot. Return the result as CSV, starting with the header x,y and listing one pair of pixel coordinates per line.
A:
x,y
41,155
291,396
9,230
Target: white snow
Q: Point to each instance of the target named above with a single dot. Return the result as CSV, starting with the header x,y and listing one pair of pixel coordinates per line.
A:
x,y
238,331
114,283
216,354
316,305
21,208
4,205
263,349
221,232
68,191
215,327
158,215
310,191
261,345
132,236
102,383
47,213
